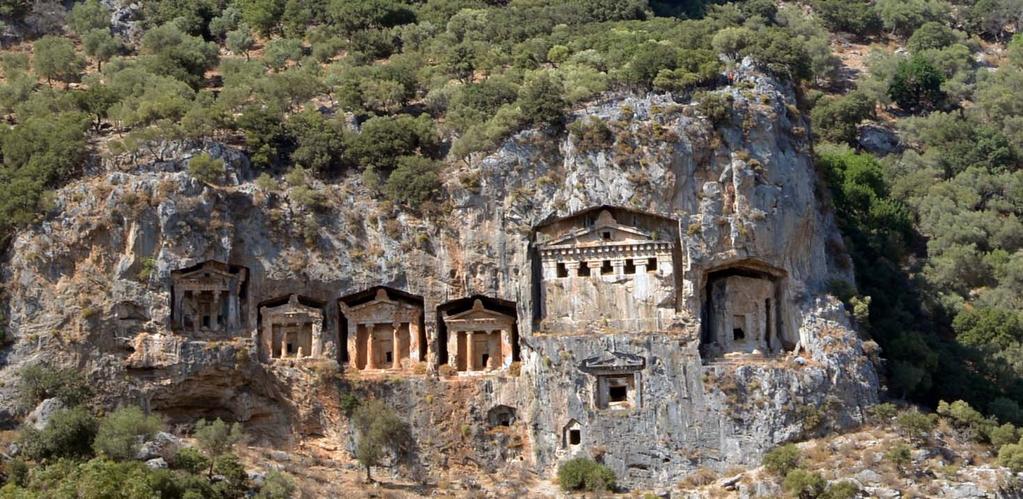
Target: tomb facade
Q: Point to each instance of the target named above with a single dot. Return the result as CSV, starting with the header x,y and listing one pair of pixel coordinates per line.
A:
x,y
481,339
607,269
292,330
385,332
617,380
743,314
208,299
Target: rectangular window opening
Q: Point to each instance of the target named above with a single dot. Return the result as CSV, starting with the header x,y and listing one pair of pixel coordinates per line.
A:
x,y
575,437
562,270
651,264
630,266
606,268
606,235
388,357
584,269
484,359
618,393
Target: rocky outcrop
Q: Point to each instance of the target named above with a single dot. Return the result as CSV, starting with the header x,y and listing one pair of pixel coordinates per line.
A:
x,y
90,287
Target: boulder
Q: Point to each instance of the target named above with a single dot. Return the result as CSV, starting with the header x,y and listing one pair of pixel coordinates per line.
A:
x,y
163,445
157,463
40,416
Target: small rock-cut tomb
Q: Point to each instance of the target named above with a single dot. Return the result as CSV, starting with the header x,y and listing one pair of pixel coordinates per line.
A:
x,y
292,330
742,313
385,332
207,298
482,339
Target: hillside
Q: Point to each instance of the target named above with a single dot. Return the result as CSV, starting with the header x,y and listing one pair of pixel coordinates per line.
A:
x,y
474,246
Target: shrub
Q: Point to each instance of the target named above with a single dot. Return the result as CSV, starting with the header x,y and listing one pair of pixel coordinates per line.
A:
x,y
542,100
414,181
122,431
845,489
38,382
1011,456
717,107
206,169
931,35
585,474
217,438
1001,435
916,85
915,424
190,460
804,484
349,403
69,433
899,455
781,460
54,58
277,485
884,412
591,133
835,118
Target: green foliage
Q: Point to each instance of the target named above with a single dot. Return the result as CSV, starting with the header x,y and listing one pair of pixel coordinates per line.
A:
x,y
88,16
1004,434
915,424
846,489
207,169
384,139
852,16
591,133
835,118
101,46
989,327
542,100
349,403
379,432
277,485
884,412
122,431
217,438
240,41
320,141
351,16
931,35
262,15
1011,456
585,474
414,181
899,455
169,51
54,58
903,17
38,382
191,460
804,484
68,434
916,85
717,107
781,460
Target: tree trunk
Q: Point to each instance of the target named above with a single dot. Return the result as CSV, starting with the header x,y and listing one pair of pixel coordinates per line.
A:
x,y
368,477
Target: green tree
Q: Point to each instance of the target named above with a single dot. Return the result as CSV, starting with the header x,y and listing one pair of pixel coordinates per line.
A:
x,y
240,41
68,433
121,432
277,485
804,484
384,139
931,35
781,460
989,328
378,432
101,46
414,181
902,17
916,85
263,15
320,141
217,438
542,100
206,169
352,16
54,58
835,118
852,16
37,382
169,51
88,16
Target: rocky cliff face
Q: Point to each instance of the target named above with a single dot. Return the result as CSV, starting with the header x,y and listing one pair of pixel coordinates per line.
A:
x,y
91,287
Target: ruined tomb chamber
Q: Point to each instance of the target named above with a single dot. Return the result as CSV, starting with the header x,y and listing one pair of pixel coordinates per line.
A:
x,y
626,384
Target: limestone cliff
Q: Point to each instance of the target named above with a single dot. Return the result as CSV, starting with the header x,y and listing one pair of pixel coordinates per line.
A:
x,y
92,287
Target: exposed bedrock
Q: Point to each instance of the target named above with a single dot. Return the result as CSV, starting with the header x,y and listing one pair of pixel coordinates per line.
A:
x,y
657,300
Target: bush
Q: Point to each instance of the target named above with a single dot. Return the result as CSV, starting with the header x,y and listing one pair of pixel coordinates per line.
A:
x,y
1001,435
38,382
835,118
122,432
379,431
804,484
585,474
899,455
69,434
915,424
542,100
54,58
884,412
1011,456
931,35
349,403
414,181
916,85
277,485
206,169
190,460
845,489
591,133
717,107
781,460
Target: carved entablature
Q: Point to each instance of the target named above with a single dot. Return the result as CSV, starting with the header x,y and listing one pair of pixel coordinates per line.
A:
x,y
208,298
606,247
480,339
613,363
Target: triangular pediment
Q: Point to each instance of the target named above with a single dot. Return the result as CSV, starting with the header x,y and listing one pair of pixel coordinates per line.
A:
x,y
605,230
613,362
479,313
206,270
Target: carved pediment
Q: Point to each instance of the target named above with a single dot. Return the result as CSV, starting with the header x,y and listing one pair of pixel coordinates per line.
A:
x,y
613,362
606,230
479,313
382,308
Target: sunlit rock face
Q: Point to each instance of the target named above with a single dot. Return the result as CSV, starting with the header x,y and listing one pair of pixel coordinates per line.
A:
x,y
701,336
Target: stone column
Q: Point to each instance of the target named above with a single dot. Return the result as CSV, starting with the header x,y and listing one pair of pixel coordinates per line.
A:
x,y
572,268
395,343
215,312
640,263
619,266
353,344
317,343
178,313
506,356
232,310
371,361
594,266
413,340
550,269
284,342
469,352
268,335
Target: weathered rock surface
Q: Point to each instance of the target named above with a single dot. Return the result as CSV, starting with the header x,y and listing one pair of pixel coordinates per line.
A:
x,y
90,287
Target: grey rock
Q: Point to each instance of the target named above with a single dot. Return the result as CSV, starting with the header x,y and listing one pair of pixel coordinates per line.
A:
x,y
163,445
157,463
867,477
878,139
40,416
